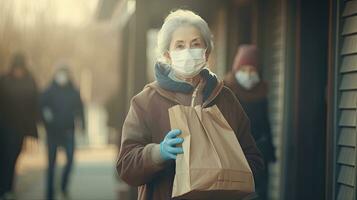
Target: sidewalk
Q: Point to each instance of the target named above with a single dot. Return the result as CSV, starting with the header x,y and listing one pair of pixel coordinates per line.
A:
x,y
93,175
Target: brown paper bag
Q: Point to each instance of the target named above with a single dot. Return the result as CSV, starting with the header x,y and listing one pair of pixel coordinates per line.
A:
x,y
213,165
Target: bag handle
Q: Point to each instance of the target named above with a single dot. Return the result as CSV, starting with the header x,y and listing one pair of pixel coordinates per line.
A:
x,y
194,94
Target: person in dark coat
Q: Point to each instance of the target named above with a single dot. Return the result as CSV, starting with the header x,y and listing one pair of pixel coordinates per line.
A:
x,y
244,81
61,109
18,117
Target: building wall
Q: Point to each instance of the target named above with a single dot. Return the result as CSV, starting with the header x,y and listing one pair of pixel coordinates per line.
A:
x,y
272,44
345,174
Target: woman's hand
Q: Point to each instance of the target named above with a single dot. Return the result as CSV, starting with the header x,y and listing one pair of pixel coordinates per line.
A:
x,y
168,149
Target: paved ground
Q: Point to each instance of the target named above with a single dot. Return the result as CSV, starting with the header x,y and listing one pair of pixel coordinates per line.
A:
x,y
93,174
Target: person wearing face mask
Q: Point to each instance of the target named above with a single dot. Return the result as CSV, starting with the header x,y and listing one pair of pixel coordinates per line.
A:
x,y
61,108
19,113
149,146
244,80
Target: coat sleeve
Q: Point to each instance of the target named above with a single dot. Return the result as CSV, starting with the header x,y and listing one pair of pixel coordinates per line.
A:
x,y
80,110
33,108
136,163
44,99
36,102
270,149
246,139
45,103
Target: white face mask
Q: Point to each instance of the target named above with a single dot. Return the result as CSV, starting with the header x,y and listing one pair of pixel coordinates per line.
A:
x,y
61,78
188,62
246,80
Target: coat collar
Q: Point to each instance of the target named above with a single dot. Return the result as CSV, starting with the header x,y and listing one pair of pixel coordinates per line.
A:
x,y
167,86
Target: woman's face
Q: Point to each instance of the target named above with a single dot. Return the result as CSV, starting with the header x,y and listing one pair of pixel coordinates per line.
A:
x,y
18,72
186,37
249,69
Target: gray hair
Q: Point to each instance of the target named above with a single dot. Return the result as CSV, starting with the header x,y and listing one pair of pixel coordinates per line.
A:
x,y
182,18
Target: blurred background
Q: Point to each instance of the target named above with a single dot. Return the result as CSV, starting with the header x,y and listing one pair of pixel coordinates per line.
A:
x,y
308,56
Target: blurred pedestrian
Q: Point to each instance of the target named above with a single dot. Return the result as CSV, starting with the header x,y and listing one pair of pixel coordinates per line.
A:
x,y
61,109
149,145
245,81
19,112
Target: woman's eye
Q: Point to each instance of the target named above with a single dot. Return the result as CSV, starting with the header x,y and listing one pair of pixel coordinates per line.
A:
x,y
179,46
197,44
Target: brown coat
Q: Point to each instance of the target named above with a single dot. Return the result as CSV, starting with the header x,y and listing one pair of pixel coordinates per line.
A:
x,y
146,126
19,108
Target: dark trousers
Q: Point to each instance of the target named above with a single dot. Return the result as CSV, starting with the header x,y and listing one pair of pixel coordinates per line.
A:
x,y
55,140
261,184
10,149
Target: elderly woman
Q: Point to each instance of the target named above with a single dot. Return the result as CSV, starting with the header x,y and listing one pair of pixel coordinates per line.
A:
x,y
149,146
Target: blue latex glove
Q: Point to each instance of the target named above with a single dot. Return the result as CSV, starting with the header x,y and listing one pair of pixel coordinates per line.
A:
x,y
168,149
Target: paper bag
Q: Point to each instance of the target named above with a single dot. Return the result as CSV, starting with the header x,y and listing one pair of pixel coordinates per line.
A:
x,y
213,165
